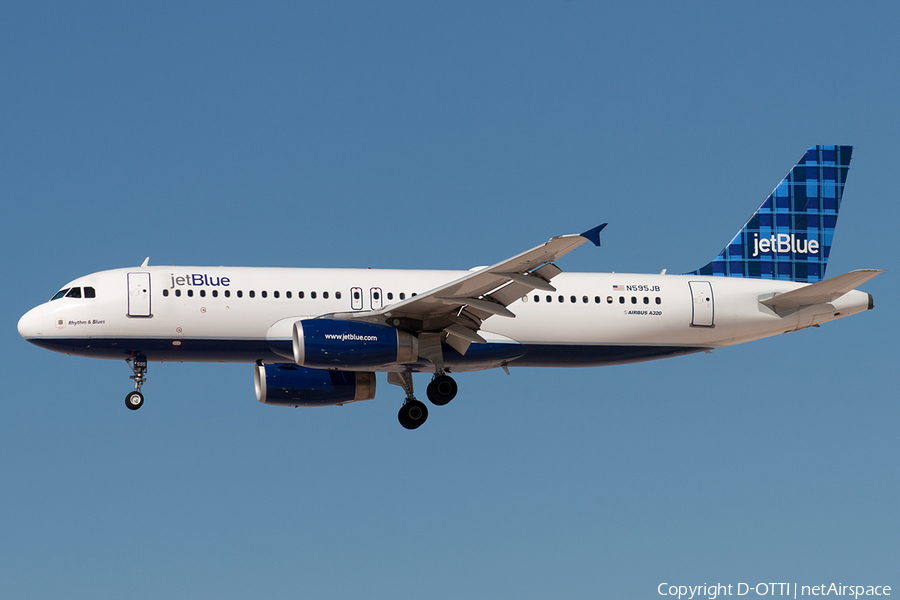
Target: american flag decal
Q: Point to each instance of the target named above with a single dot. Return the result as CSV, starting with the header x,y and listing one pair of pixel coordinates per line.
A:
x,y
618,288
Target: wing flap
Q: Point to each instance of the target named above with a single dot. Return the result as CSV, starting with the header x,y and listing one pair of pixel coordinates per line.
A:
x,y
512,292
465,333
532,281
492,308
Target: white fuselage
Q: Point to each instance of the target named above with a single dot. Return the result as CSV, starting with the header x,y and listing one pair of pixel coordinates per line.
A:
x,y
241,314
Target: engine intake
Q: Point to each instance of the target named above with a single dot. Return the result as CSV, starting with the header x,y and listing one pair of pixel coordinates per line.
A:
x,y
290,385
339,344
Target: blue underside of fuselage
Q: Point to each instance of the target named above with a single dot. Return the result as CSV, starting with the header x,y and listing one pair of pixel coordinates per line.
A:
x,y
248,351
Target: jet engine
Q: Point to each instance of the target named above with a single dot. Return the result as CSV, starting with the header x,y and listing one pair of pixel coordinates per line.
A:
x,y
339,344
290,385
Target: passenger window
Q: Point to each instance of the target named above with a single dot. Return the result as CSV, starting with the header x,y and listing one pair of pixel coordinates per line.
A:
x,y
264,294
356,295
537,298
252,293
549,298
228,293
191,293
240,293
596,299
74,293
215,293
609,299
203,293
572,299
178,293
165,292
59,294
621,299
402,295
414,294
325,295
312,295
275,294
634,299
287,294
89,292
338,295
646,300
658,300
561,299
390,295
584,299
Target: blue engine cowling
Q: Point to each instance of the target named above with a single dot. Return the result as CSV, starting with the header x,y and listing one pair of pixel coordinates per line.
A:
x,y
340,344
290,385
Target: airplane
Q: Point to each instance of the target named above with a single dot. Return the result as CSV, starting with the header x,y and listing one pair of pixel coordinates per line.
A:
x,y
317,337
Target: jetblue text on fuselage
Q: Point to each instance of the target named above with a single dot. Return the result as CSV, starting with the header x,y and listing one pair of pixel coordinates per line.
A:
x,y
783,244
198,279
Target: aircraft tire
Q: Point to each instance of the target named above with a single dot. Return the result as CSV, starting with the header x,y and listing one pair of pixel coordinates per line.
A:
x,y
134,400
441,390
413,414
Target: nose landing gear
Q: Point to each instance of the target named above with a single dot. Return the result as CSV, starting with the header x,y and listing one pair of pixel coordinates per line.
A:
x,y
134,400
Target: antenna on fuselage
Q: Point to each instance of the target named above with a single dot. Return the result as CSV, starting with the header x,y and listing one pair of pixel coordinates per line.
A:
x,y
146,260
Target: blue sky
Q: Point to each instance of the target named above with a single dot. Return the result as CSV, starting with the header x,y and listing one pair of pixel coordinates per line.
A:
x,y
427,135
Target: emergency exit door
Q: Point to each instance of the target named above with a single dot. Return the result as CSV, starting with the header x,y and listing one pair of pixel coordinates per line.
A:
x,y
375,298
139,295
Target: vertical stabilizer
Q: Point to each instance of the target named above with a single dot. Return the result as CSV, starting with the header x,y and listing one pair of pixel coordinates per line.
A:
x,y
789,236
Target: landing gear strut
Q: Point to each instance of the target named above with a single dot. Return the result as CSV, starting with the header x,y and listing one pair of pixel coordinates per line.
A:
x,y
134,400
413,413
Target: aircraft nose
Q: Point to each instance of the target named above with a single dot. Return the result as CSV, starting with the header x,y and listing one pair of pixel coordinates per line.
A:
x,y
30,323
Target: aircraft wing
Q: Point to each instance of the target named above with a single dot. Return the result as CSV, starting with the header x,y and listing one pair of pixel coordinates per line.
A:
x,y
457,309
822,292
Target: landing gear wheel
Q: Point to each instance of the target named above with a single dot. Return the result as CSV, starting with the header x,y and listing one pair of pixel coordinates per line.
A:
x,y
134,400
441,390
413,414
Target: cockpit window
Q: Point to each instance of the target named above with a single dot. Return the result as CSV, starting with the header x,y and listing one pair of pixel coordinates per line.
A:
x,y
74,292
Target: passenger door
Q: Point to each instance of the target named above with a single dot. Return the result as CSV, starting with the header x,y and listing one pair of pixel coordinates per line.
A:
x,y
703,309
139,295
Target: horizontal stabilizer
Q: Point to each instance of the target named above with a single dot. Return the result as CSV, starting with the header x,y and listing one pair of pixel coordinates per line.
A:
x,y
822,292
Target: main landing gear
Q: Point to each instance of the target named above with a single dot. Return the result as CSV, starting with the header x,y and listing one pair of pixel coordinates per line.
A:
x,y
134,400
413,413
441,390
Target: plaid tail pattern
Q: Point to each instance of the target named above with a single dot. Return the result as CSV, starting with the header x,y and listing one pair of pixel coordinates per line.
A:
x,y
789,237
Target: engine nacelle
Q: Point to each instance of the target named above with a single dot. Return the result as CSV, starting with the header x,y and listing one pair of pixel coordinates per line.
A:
x,y
339,344
290,385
